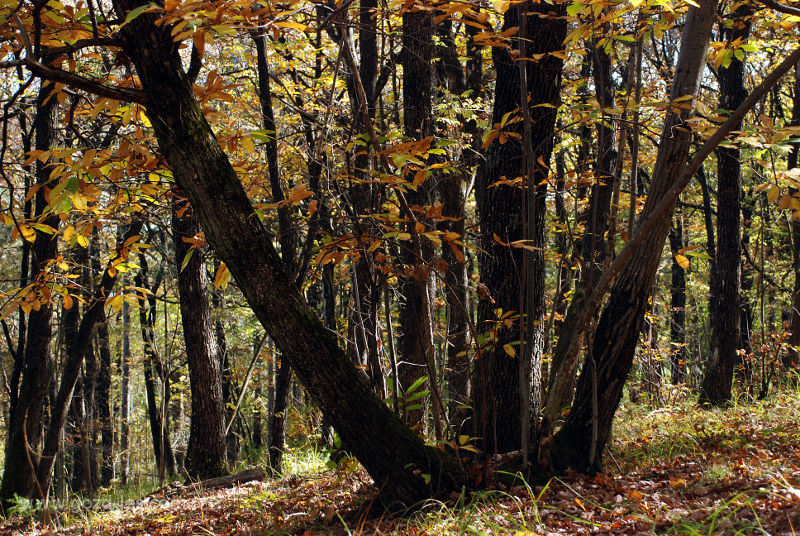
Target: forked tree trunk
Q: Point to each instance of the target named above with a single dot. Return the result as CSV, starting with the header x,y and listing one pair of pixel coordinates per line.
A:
x,y
403,468
580,442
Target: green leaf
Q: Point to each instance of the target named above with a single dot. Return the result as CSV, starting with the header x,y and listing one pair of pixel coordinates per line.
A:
x,y
416,384
186,259
133,13
574,8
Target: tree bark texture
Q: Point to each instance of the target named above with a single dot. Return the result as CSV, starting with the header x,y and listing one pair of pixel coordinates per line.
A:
x,y
416,337
792,359
25,422
677,325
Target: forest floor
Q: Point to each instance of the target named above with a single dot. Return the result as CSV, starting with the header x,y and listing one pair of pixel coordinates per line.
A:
x,y
673,470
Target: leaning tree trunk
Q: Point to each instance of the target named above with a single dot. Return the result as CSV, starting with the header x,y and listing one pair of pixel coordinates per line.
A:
x,y
580,442
402,466
25,422
594,247
725,323
496,375
206,455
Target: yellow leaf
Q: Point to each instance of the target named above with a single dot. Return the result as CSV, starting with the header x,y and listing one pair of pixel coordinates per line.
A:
x,y
67,301
116,302
83,241
508,349
222,277
69,232
248,145
785,202
682,261
131,240
27,233
79,201
773,194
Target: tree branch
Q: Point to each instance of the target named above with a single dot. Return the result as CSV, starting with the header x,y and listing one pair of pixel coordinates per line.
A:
x,y
783,8
81,44
77,81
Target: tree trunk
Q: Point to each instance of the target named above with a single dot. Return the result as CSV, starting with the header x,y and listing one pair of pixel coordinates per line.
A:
x,y
25,422
277,416
125,393
580,442
725,324
103,402
159,428
496,375
792,359
595,248
206,455
677,326
394,456
416,337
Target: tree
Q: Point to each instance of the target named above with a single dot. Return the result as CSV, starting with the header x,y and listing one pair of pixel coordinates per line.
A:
x,y
396,458
599,388
24,424
725,282
206,455
496,374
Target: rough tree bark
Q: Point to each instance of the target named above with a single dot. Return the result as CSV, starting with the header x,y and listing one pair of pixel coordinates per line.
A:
x,y
416,336
206,455
496,375
25,422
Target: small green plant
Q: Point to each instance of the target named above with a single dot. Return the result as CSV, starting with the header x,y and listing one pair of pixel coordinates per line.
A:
x,y
21,506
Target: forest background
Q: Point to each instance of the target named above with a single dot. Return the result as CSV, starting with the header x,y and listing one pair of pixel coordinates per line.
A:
x,y
460,227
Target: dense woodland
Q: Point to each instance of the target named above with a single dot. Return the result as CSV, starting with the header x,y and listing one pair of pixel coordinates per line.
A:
x,y
418,233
